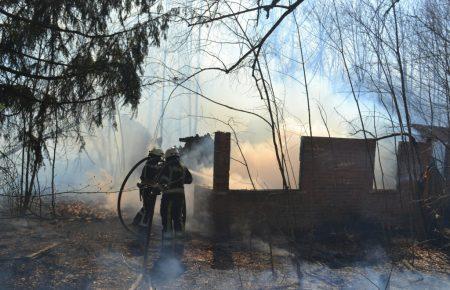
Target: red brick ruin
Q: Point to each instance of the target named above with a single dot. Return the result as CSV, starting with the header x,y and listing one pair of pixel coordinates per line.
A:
x,y
336,187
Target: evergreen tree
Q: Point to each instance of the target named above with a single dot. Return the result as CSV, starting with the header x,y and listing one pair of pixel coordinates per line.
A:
x,y
66,66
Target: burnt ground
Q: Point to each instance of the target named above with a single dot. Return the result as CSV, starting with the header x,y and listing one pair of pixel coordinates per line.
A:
x,y
88,249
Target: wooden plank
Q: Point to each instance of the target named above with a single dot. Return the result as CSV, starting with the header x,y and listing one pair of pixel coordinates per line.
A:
x,y
41,251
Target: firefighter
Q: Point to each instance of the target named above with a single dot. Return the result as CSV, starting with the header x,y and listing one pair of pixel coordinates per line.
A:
x,y
173,204
148,187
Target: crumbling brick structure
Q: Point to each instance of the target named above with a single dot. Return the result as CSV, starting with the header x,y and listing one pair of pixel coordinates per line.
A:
x,y
336,187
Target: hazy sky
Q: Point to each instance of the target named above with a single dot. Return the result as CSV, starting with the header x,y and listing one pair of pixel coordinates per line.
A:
x,y
114,152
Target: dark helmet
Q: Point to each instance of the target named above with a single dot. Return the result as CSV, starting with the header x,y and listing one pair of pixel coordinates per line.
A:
x,y
156,152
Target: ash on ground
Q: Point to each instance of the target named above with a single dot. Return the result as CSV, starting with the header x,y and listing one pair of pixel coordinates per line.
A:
x,y
86,249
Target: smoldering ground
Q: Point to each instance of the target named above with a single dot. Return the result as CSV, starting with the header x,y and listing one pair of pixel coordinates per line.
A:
x,y
92,255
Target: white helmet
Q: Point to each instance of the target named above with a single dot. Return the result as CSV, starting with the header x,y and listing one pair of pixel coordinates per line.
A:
x,y
172,152
156,152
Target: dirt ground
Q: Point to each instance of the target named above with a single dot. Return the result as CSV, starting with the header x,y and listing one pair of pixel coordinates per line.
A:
x,y
87,249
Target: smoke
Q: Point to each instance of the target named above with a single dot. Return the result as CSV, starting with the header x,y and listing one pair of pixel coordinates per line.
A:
x,y
374,270
99,169
199,160
260,158
198,152
262,164
111,154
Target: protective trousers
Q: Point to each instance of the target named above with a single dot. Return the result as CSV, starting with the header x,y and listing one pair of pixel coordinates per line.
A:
x,y
173,212
145,215
149,205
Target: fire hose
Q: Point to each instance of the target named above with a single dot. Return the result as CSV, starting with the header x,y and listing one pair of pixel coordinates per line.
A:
x,y
119,212
122,187
119,199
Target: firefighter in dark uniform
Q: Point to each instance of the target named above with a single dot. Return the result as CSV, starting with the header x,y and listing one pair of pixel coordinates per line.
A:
x,y
148,187
173,204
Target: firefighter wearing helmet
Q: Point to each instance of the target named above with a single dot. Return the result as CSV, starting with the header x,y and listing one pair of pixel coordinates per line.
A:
x,y
148,188
173,204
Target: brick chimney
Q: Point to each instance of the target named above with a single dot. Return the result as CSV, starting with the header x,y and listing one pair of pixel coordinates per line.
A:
x,y
221,161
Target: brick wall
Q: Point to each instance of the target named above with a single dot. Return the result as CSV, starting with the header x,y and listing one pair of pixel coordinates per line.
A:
x,y
336,163
259,211
336,179
337,174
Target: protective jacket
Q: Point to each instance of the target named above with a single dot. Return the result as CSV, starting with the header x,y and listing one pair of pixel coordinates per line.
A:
x,y
148,191
173,203
174,175
151,171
